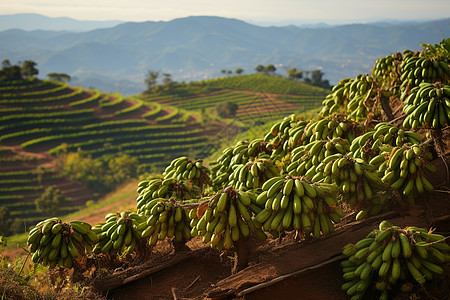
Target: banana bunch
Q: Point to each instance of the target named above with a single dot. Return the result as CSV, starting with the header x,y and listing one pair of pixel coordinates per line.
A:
x,y
405,170
391,255
338,99
183,168
356,96
293,203
359,184
119,233
387,69
168,219
151,191
309,160
418,68
382,138
227,219
333,126
428,105
252,174
54,243
285,135
223,167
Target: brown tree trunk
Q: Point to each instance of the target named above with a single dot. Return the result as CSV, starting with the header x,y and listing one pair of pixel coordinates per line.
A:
x,y
241,255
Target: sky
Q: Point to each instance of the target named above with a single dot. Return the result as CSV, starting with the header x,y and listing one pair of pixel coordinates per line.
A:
x,y
258,11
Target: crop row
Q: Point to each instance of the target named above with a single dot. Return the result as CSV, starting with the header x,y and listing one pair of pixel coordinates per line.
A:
x,y
138,104
59,114
16,159
75,92
30,180
18,84
92,98
96,133
147,145
44,123
123,140
37,109
208,100
21,188
169,116
104,103
156,109
23,173
115,124
58,88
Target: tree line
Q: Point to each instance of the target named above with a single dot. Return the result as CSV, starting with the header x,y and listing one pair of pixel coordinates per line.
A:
x,y
26,69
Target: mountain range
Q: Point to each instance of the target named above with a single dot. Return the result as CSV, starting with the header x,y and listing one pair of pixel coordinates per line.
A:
x,y
192,48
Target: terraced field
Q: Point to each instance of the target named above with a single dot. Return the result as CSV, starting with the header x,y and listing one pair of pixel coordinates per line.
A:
x,y
39,119
260,98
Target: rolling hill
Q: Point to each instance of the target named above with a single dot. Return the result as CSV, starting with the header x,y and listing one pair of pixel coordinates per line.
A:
x,y
195,48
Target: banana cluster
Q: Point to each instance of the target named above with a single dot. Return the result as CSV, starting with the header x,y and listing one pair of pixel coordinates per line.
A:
x,y
227,219
418,68
405,170
428,105
119,233
151,191
167,219
333,126
359,184
391,255
252,174
285,135
183,168
234,156
54,243
384,136
310,160
356,97
293,203
387,69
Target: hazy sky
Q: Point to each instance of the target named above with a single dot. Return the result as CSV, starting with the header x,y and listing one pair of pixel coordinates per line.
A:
x,y
269,11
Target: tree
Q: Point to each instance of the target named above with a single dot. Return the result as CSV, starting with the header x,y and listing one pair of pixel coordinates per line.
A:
x,y
59,77
270,69
5,221
123,168
316,77
294,74
150,80
29,69
10,72
227,109
89,171
239,71
50,201
6,63
259,68
167,81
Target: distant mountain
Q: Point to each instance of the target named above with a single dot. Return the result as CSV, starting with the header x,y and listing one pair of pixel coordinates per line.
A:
x,y
194,48
40,22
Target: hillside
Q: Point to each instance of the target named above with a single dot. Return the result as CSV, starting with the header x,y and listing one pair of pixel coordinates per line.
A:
x,y
260,98
43,119
194,48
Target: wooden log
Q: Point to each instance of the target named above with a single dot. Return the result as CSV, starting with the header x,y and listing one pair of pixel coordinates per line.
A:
x,y
118,279
307,254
